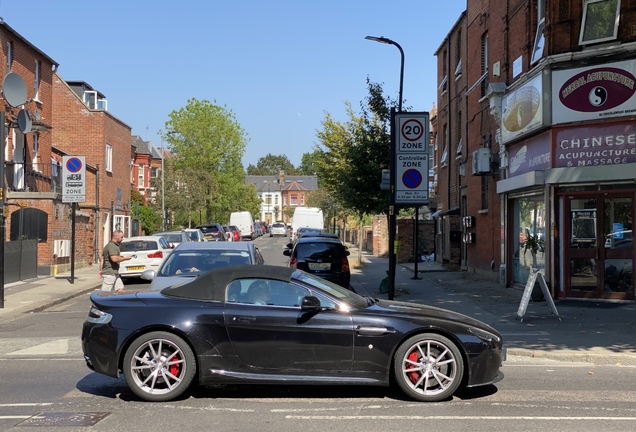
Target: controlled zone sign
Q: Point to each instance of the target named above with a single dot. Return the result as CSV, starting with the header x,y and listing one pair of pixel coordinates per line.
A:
x,y
74,179
411,158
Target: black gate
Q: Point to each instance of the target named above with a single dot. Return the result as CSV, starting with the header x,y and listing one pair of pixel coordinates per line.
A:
x,y
20,260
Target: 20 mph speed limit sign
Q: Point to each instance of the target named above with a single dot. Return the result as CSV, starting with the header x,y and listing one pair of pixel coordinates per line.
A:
x,y
411,158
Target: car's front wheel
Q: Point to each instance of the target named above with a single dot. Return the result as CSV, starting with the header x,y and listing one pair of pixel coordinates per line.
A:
x,y
159,366
428,367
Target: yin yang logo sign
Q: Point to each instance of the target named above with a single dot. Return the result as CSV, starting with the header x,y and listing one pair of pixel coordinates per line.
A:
x,y
598,89
598,96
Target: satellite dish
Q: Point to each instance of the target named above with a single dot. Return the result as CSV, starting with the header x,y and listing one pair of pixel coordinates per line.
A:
x,y
14,89
24,121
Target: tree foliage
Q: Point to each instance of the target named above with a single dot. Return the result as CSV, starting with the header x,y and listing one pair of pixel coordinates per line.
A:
x,y
205,174
308,163
353,154
271,165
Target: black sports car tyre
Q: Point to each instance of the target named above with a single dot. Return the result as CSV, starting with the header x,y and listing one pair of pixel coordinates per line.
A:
x,y
159,366
428,367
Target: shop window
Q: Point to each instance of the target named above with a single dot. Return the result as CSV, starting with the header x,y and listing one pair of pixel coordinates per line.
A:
x,y
529,236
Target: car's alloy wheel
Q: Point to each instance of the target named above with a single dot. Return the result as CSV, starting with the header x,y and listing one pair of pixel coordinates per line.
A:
x,y
159,366
428,367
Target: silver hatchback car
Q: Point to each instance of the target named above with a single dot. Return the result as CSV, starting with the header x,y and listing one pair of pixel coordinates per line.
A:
x,y
278,228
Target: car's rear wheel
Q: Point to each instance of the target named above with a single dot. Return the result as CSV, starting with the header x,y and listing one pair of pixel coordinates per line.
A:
x,y
428,367
159,366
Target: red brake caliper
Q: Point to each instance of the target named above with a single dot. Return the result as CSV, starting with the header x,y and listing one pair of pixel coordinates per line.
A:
x,y
413,376
174,369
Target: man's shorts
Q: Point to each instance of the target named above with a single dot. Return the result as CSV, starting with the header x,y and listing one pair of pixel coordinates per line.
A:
x,y
111,283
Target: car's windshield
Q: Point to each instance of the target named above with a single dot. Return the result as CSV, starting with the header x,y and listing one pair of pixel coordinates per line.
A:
x,y
138,245
172,238
210,229
342,294
195,262
194,235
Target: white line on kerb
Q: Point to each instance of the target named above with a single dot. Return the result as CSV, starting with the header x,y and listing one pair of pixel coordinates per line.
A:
x,y
455,418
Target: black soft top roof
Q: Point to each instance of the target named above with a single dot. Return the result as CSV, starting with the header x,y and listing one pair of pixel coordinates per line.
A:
x,y
211,286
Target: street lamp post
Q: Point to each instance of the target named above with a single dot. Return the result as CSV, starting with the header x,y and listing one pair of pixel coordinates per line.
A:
x,y
392,207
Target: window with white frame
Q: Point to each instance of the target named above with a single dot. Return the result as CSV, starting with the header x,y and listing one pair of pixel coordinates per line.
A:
x,y
539,38
36,81
302,200
600,21
9,55
36,149
140,175
109,158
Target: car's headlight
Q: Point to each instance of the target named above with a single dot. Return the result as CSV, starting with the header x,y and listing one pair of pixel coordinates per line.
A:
x,y
484,335
98,317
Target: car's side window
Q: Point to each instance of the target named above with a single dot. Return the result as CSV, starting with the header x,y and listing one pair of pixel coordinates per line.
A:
x,y
286,294
325,302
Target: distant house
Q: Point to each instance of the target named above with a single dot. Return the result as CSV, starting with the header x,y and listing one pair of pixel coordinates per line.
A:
x,y
278,193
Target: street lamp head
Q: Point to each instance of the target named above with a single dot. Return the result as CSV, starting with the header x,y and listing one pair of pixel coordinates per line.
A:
x,y
380,39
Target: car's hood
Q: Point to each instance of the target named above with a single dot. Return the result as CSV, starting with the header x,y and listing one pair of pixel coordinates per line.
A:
x,y
418,311
161,282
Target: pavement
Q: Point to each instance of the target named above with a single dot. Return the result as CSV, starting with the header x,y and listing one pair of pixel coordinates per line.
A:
x,y
591,331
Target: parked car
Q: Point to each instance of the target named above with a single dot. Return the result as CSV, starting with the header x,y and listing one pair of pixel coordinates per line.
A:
x,y
174,237
193,259
303,231
148,253
261,323
245,223
324,257
278,228
213,232
195,234
236,233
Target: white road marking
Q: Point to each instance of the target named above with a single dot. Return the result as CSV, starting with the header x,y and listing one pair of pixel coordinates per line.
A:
x,y
59,346
26,404
397,417
14,417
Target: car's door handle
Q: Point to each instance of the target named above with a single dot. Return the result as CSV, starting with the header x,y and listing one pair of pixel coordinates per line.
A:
x,y
244,318
373,331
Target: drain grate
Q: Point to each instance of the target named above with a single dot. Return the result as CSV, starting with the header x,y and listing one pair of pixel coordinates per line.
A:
x,y
65,419
5,328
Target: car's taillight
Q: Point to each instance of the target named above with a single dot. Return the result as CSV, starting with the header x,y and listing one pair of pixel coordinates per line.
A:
x,y
157,254
293,263
345,265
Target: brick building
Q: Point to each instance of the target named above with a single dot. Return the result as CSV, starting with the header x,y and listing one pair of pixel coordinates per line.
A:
x,y
282,192
33,207
84,127
548,127
146,166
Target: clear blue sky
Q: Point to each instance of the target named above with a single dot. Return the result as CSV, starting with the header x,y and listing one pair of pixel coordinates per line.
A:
x,y
279,65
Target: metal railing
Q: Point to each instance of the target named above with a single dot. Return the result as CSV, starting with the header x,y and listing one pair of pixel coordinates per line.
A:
x,y
33,177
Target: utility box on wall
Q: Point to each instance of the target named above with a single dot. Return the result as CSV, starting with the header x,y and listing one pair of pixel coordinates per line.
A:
x,y
481,161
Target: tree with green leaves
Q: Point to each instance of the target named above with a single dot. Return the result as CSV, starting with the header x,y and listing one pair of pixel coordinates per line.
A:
x,y
207,144
271,165
149,217
308,163
353,154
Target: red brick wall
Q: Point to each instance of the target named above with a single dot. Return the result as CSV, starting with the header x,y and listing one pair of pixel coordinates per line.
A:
x,y
81,131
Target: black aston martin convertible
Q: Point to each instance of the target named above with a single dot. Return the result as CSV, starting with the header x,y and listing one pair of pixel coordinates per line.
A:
x,y
275,325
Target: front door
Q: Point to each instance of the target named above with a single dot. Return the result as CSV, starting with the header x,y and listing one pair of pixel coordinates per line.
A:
x,y
600,250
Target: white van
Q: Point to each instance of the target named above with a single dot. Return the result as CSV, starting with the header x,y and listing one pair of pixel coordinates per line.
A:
x,y
244,222
307,217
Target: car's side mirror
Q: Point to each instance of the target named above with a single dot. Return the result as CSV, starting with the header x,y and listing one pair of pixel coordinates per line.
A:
x,y
310,303
148,275
287,252
347,253
289,245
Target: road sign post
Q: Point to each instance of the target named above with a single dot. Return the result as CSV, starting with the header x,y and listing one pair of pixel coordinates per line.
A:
x,y
411,167
73,191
